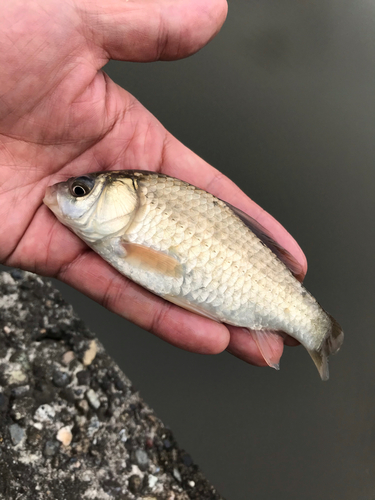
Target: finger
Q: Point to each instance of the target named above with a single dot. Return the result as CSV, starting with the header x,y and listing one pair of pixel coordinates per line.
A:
x,y
149,30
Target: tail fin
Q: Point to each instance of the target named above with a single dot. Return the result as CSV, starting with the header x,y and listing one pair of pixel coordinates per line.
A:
x,y
331,345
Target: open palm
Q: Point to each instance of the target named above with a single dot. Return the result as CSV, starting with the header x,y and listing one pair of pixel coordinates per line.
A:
x,y
61,116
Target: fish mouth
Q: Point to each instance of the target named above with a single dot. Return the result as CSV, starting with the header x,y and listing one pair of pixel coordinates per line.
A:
x,y
50,199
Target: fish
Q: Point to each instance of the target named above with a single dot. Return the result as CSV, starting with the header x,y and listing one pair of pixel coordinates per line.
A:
x,y
198,252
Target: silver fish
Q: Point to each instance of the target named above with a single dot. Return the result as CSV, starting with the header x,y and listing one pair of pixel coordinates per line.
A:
x,y
198,252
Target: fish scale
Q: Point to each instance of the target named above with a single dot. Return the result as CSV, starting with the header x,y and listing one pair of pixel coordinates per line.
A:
x,y
231,243
195,250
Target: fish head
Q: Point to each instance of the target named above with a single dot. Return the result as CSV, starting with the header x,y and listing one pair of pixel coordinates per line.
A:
x,y
94,206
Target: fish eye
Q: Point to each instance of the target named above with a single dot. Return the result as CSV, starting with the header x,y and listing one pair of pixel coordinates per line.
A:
x,y
81,186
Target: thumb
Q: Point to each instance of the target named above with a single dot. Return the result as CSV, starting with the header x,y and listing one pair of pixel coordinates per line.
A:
x,y
150,30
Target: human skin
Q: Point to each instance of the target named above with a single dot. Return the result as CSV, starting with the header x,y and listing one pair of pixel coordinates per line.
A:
x,y
62,116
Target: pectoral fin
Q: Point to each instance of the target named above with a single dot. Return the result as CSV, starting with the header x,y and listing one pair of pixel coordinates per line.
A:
x,y
152,260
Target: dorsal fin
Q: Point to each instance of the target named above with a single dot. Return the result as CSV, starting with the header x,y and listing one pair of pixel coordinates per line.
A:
x,y
291,263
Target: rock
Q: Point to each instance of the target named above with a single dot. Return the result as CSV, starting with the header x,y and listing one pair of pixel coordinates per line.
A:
x,y
51,448
93,399
89,355
44,393
83,405
123,435
21,408
17,274
68,357
93,427
120,384
20,356
68,395
135,483
60,379
65,435
83,377
141,459
22,390
177,474
152,480
68,432
34,437
167,444
17,434
12,375
44,413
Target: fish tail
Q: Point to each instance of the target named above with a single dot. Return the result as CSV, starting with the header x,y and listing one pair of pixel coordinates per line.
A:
x,y
331,345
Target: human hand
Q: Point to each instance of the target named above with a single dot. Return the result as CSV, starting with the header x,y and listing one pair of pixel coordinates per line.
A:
x,y
61,116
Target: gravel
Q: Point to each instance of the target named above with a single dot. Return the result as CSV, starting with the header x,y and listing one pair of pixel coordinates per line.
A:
x,y
71,425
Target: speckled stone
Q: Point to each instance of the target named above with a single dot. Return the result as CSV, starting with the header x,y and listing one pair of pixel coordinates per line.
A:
x,y
135,483
71,425
16,434
51,448
60,379
141,459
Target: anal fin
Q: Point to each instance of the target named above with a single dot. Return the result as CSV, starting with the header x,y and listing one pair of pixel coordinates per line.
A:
x,y
269,343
